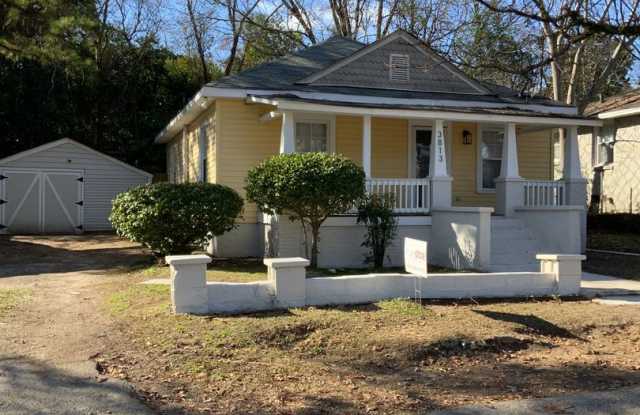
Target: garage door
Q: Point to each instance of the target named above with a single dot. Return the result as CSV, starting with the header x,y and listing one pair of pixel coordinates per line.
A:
x,y
41,201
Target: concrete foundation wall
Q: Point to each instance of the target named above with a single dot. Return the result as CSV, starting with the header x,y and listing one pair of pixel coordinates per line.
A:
x,y
557,229
340,240
463,238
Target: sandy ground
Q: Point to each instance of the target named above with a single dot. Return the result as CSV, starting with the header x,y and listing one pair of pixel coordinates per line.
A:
x,y
54,331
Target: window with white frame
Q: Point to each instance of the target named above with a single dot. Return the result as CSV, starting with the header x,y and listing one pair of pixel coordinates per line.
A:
x,y
203,149
312,136
604,145
490,155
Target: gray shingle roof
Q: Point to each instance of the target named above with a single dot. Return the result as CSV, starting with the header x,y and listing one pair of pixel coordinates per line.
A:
x,y
285,73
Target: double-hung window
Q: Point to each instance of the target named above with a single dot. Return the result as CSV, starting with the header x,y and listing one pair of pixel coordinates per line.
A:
x,y
604,145
490,157
312,136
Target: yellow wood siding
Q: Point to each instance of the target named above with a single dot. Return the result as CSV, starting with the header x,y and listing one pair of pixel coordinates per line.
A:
x,y
535,160
349,137
183,151
243,142
238,140
389,153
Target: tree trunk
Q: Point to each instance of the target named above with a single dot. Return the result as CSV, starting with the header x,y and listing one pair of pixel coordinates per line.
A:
x,y
315,240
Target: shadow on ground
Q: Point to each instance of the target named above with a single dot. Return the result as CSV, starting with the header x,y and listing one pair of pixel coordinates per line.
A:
x,y
35,255
28,386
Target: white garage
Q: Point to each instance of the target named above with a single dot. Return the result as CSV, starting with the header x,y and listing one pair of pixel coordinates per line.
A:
x,y
62,187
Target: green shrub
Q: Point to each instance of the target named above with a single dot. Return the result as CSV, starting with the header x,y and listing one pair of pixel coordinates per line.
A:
x,y
614,223
175,218
376,213
309,187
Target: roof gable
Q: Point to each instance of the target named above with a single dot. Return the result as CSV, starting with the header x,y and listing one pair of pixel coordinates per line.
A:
x,y
285,71
370,68
53,144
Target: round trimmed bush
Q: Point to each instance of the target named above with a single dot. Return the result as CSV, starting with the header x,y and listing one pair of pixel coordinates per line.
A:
x,y
308,187
175,218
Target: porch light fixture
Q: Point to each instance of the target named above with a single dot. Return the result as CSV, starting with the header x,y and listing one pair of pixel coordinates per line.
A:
x,y
466,137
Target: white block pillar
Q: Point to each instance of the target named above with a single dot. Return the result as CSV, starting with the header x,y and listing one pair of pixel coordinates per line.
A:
x,y
575,183
440,179
566,269
288,277
366,145
287,134
509,185
189,283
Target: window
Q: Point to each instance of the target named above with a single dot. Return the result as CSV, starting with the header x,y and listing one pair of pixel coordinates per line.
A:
x,y
312,136
399,67
490,157
203,149
604,145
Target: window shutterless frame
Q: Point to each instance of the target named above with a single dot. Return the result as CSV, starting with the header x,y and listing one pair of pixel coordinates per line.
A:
x,y
479,160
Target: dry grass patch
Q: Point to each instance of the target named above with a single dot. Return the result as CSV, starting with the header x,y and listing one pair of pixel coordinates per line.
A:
x,y
394,356
12,298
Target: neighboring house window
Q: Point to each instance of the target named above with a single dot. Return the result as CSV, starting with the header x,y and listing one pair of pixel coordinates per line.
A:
x,y
312,136
399,67
490,157
604,145
203,146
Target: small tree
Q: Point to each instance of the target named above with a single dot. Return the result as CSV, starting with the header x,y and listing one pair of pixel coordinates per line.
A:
x,y
309,187
175,218
376,212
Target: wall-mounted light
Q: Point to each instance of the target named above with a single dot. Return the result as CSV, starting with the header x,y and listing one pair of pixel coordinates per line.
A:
x,y
466,137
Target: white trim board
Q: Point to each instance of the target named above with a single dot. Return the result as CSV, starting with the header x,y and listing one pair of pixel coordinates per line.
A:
x,y
53,144
208,93
431,114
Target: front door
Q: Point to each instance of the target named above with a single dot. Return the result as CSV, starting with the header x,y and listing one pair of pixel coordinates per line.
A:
x,y
422,142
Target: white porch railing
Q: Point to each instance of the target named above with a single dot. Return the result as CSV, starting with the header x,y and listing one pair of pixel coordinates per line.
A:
x,y
411,195
544,193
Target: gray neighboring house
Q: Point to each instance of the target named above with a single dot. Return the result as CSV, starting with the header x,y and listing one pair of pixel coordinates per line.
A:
x,y
610,154
62,187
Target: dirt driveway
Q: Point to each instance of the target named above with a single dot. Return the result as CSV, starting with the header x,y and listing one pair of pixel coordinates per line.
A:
x,y
59,323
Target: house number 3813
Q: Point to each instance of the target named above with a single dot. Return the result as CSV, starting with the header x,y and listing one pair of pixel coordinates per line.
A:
x,y
440,143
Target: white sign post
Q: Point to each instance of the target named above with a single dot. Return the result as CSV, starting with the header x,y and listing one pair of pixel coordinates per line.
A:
x,y
415,256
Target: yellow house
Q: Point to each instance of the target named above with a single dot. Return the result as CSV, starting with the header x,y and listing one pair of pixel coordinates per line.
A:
x,y
471,163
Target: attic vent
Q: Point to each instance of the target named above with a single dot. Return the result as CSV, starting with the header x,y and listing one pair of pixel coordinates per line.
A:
x,y
399,67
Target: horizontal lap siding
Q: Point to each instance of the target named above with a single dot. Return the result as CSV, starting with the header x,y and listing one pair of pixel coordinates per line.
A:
x,y
535,160
103,179
243,142
349,137
183,152
389,147
535,155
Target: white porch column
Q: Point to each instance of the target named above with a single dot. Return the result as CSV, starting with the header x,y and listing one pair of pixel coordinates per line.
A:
x,y
509,185
575,184
287,135
440,179
366,145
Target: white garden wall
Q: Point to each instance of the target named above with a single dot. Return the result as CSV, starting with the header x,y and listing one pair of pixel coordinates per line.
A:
x,y
287,285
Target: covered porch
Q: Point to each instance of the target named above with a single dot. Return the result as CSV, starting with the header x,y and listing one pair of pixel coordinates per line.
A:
x,y
439,159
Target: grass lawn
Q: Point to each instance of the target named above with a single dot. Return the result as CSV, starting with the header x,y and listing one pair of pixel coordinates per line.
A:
x,y
393,356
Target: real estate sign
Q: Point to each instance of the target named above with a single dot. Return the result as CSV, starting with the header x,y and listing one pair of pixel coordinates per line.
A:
x,y
415,256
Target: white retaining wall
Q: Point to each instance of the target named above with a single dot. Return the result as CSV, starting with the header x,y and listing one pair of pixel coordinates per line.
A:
x,y
556,228
287,285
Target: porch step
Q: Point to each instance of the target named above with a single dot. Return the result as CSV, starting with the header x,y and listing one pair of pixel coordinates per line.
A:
x,y
513,247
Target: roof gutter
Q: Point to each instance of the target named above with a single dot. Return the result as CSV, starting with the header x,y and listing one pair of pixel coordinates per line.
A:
x,y
548,120
627,112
